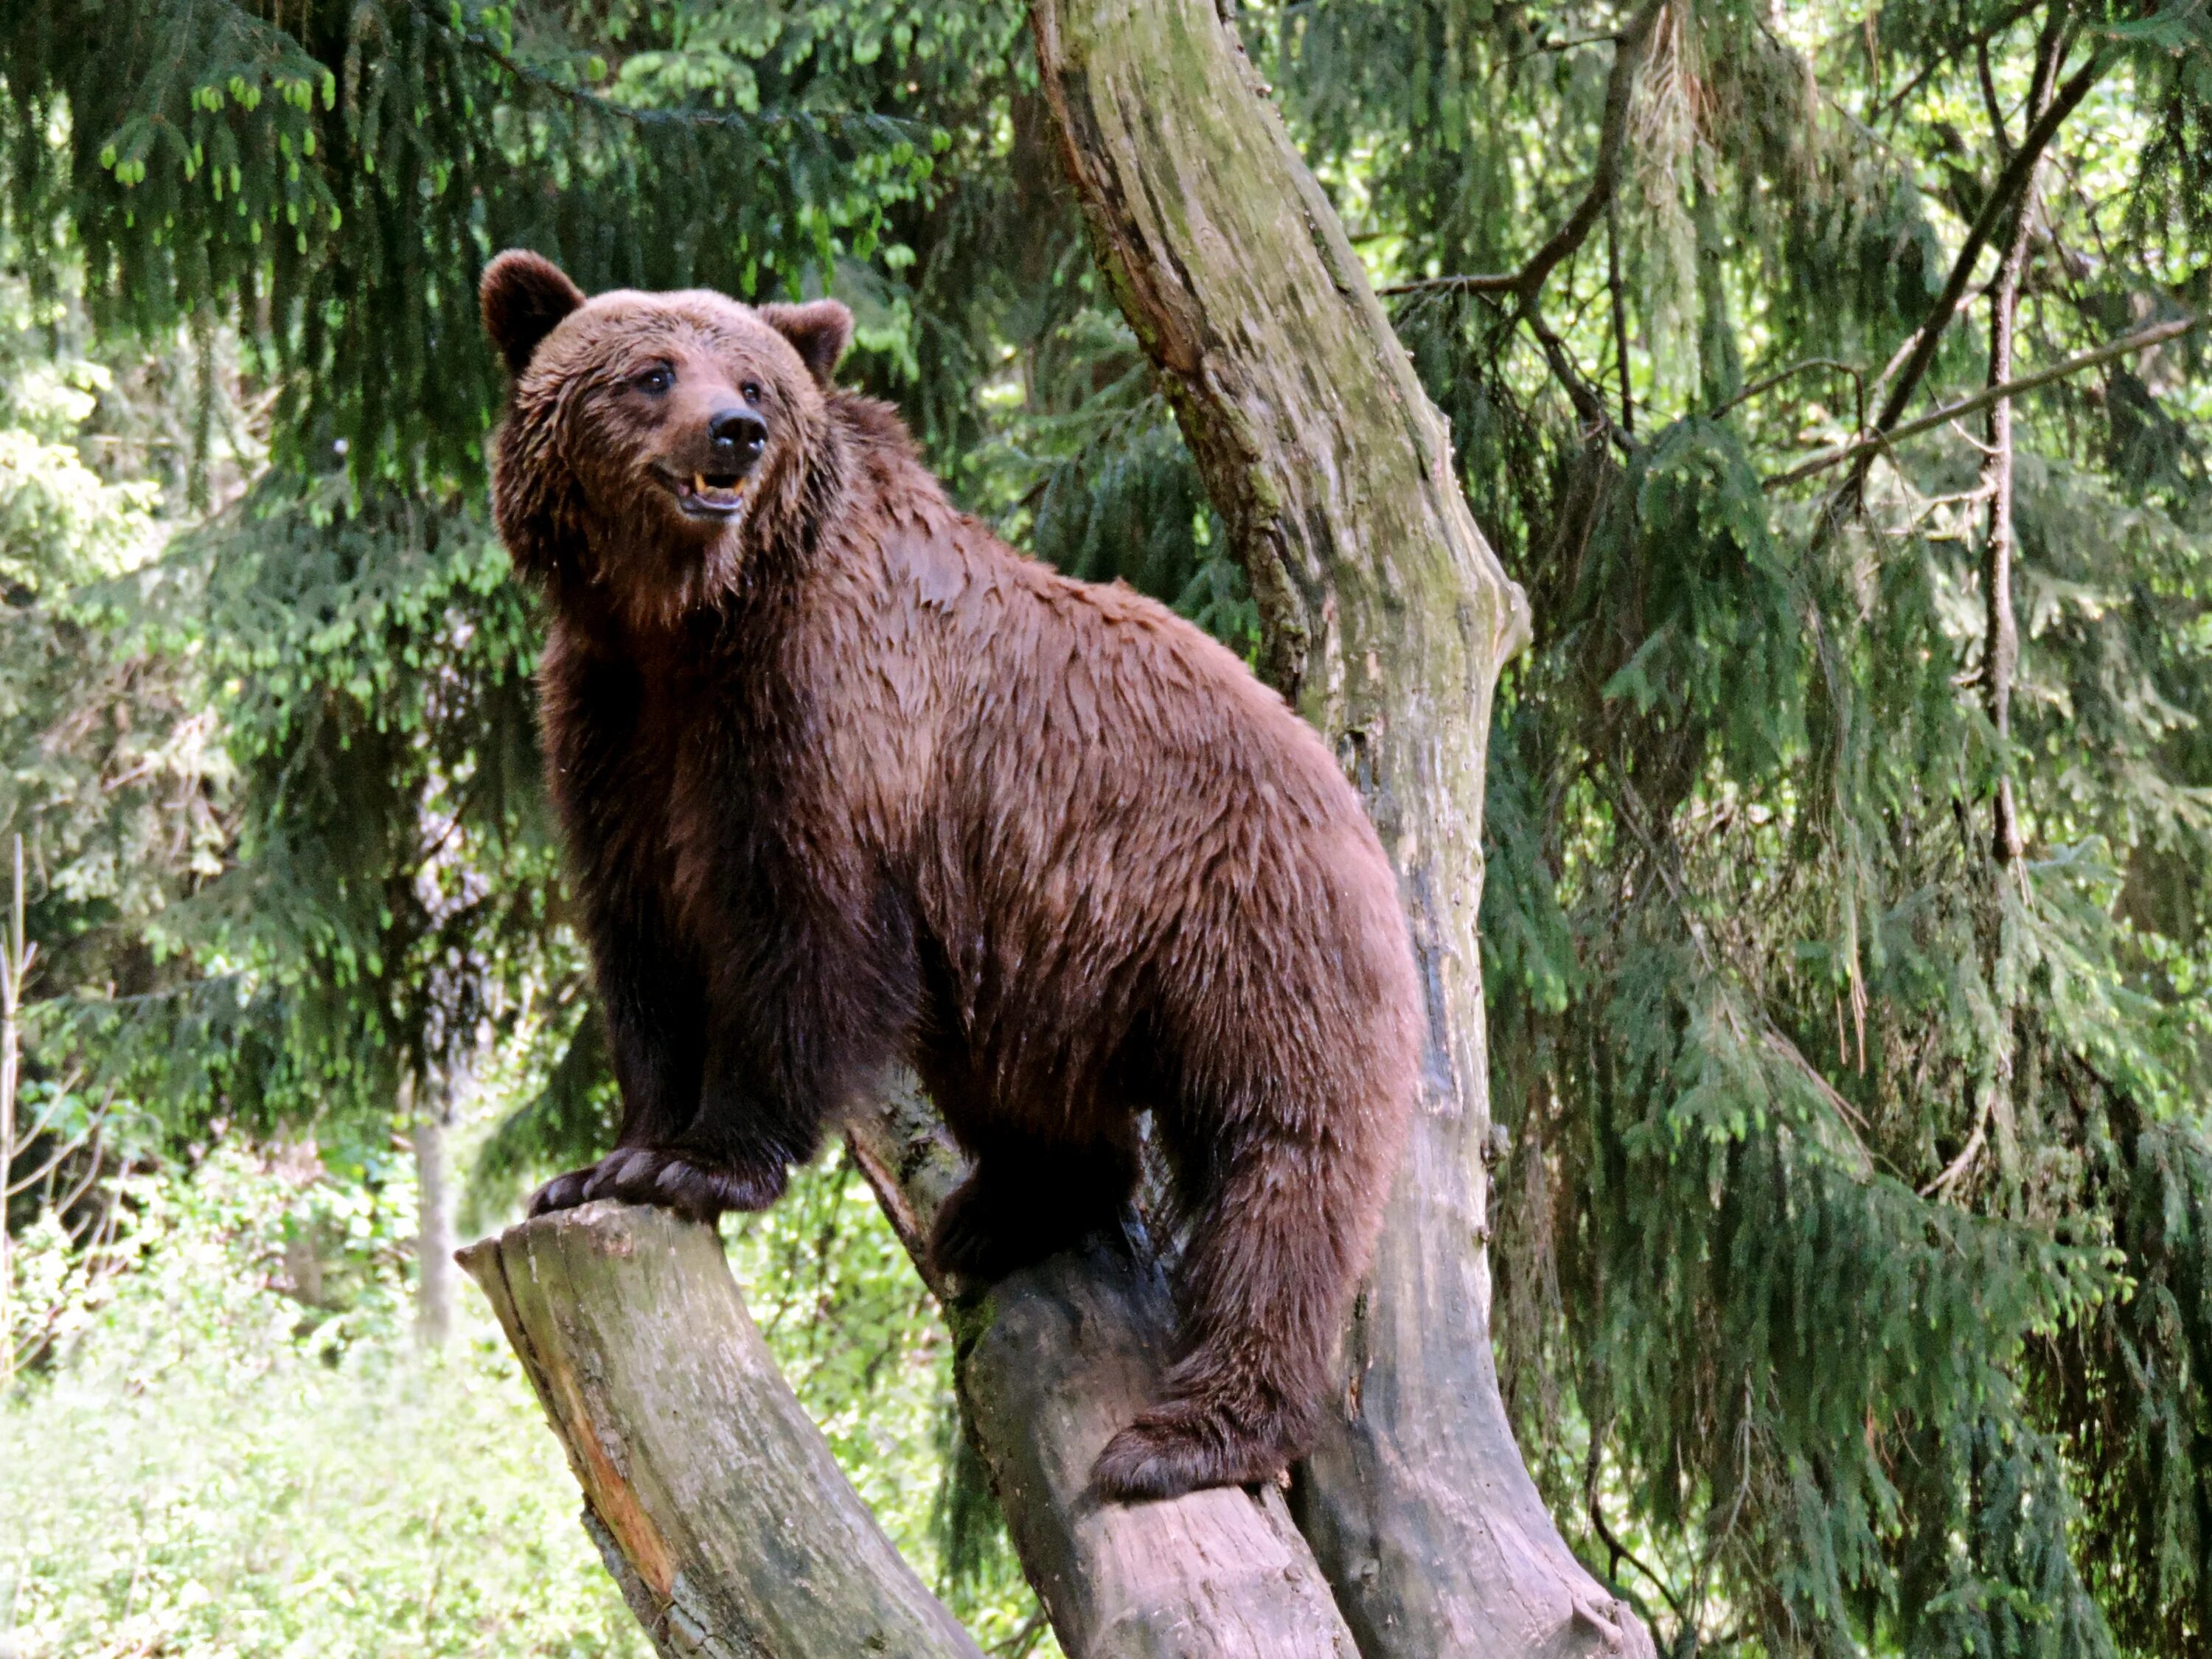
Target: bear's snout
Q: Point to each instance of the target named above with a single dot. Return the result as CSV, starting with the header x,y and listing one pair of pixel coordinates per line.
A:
x,y
738,435
716,451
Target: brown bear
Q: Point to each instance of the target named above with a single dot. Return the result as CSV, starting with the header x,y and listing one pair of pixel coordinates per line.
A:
x,y
845,780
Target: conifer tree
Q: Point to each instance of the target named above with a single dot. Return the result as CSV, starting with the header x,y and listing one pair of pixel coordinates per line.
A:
x,y
1847,926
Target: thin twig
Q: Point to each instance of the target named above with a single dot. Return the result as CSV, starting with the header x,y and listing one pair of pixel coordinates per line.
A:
x,y
1580,392
1959,1166
1019,1645
68,1149
1858,381
2143,340
1942,60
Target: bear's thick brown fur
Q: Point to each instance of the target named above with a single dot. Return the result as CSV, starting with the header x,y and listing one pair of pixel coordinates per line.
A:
x,y
846,779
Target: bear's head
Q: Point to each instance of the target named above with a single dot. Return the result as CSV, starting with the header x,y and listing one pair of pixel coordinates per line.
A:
x,y
655,441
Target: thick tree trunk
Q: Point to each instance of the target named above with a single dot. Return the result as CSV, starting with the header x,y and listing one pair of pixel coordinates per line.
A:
x,y
1051,1363
1387,616
712,1495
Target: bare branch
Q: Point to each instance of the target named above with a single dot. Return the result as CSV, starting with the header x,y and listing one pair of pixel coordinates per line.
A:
x,y
2143,340
2009,190
1611,140
714,1498
1943,60
1769,382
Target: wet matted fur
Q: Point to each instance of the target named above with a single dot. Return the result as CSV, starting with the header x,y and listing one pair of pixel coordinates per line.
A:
x,y
846,779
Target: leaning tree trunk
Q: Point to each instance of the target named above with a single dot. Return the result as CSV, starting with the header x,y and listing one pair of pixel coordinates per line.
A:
x,y
713,1498
1386,616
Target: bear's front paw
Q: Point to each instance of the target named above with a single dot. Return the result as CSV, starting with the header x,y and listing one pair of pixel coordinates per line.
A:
x,y
563,1192
640,1175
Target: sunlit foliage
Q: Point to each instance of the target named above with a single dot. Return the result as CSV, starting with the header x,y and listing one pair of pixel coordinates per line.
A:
x,y
1854,1289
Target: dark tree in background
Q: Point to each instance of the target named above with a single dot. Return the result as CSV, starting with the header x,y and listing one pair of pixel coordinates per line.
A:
x,y
1844,922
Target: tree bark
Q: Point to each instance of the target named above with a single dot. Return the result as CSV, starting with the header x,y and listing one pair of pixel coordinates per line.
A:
x,y
1050,1364
1386,616
2001,656
712,1495
433,1208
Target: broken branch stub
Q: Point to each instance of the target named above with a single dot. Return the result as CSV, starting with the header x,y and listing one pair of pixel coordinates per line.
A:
x,y
712,1495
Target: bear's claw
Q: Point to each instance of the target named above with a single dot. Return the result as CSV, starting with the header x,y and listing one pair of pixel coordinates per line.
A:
x,y
640,1175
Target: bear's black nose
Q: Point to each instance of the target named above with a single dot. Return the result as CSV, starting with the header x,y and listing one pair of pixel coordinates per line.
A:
x,y
739,435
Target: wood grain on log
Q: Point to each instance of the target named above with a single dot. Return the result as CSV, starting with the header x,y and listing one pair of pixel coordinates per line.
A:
x,y
1385,615
1051,1361
712,1495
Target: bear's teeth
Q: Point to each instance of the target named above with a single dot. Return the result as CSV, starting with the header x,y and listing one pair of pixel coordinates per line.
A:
x,y
698,483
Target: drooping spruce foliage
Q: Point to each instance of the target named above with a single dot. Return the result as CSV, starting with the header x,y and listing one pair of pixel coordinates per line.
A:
x,y
1848,944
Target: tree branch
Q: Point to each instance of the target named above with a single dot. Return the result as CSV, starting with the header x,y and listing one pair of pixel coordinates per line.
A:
x,y
2011,184
2143,340
1942,60
1767,383
1052,1361
727,1521
2001,646
1611,140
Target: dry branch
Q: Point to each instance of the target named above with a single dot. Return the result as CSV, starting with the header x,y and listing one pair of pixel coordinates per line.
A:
x,y
2006,197
2142,340
1605,177
713,1496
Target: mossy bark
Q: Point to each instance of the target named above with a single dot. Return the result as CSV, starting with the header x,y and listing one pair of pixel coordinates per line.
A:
x,y
1386,617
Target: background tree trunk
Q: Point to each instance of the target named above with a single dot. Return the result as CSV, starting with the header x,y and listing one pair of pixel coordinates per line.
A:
x,y
433,1205
1386,616
1049,1364
712,1495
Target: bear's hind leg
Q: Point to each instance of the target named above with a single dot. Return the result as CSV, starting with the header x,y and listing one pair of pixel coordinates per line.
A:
x,y
1023,1202
1264,1284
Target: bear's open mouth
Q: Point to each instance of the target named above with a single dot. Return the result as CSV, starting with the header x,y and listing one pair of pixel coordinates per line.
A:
x,y
707,494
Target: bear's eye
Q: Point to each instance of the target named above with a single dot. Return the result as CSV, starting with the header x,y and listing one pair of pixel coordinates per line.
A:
x,y
751,392
654,380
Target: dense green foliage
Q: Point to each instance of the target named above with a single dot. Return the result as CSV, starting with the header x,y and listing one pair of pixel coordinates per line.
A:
x,y
1855,1276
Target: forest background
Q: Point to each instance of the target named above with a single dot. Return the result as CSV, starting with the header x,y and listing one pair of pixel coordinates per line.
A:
x,y
1850,811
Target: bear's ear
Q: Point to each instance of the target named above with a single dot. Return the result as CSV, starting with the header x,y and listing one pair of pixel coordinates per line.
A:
x,y
819,331
524,295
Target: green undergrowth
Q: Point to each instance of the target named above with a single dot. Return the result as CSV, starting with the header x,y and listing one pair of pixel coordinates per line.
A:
x,y
209,1466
